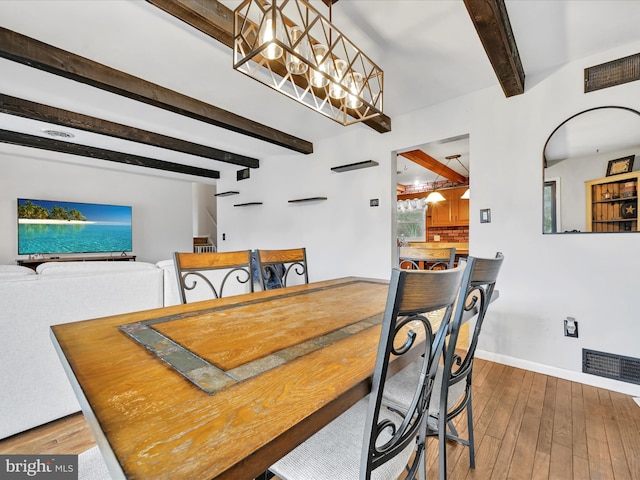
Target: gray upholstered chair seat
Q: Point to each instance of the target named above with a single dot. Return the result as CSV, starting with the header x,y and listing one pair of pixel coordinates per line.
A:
x,y
335,452
397,393
91,465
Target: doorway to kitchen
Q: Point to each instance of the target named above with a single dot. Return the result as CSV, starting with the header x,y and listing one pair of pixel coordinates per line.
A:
x,y
432,198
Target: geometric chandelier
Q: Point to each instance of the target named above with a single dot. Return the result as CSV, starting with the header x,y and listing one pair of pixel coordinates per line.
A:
x,y
292,48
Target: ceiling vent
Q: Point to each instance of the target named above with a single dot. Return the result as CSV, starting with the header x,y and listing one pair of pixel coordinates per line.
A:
x,y
612,73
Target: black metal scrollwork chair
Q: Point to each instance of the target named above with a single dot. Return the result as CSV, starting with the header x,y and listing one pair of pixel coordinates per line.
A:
x,y
478,286
414,258
368,440
209,273
276,266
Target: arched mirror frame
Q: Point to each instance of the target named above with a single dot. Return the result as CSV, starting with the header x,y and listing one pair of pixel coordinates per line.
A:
x,y
549,190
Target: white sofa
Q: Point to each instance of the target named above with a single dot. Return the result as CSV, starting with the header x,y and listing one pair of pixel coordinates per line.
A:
x,y
35,390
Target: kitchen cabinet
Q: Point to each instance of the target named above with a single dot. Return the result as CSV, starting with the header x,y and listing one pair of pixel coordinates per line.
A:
x,y
452,211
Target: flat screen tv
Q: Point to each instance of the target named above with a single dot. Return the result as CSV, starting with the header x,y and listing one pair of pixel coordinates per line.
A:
x,y
46,226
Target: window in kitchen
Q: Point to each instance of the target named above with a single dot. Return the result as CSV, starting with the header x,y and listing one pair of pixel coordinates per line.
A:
x,y
412,217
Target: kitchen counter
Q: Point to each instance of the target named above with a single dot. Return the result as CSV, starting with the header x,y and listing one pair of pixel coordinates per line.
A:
x,y
462,249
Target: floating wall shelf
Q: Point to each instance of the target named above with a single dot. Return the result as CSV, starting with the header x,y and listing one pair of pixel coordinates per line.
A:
x,y
355,166
310,199
226,194
247,204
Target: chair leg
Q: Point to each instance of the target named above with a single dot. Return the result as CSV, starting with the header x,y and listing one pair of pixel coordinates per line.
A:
x,y
422,451
452,429
442,446
472,455
265,476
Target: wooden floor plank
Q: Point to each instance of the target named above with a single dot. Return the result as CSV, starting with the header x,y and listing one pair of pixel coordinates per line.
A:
x,y
561,464
597,446
68,435
545,434
493,387
562,427
523,454
481,369
488,449
627,415
503,462
541,466
581,467
616,447
604,431
578,423
458,460
502,415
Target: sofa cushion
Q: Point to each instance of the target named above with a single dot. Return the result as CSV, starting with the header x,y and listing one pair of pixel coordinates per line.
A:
x,y
38,389
170,283
13,271
91,268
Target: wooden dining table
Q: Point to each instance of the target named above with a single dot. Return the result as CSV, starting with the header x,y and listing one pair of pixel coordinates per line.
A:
x,y
221,389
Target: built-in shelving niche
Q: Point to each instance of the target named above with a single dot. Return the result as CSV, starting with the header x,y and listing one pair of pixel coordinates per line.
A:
x,y
355,166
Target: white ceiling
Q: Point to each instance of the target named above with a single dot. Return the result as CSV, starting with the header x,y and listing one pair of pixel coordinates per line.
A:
x,y
428,49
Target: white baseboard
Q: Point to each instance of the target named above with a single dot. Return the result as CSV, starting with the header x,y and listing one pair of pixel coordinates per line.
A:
x,y
585,378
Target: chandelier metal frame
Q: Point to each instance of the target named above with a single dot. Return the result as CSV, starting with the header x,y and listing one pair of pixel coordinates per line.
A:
x,y
315,63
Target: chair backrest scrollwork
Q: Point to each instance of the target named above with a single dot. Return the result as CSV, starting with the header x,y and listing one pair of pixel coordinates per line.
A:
x,y
407,331
211,272
277,268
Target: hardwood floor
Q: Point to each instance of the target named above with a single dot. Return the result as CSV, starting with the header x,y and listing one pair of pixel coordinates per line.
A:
x,y
69,435
527,426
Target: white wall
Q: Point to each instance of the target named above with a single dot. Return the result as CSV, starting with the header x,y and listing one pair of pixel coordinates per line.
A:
x,y
205,210
545,278
162,220
343,234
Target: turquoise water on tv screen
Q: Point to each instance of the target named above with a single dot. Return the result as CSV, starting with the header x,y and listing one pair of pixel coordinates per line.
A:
x,y
73,238
48,226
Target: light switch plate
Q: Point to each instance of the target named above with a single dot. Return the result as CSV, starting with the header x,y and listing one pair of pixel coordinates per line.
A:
x,y
485,215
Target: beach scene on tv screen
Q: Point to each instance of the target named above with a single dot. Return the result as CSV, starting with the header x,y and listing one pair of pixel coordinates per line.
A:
x,y
46,226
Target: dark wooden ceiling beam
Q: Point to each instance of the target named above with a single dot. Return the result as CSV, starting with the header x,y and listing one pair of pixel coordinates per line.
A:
x,y
216,20
26,140
494,29
427,161
28,51
45,113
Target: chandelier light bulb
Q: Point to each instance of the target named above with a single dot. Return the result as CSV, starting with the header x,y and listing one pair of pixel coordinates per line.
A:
x,y
319,54
294,64
336,70
354,84
269,31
